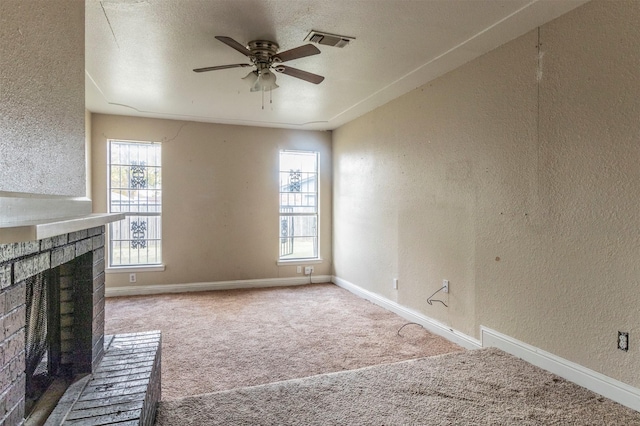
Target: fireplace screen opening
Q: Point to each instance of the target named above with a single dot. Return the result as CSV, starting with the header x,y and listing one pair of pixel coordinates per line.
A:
x,y
41,339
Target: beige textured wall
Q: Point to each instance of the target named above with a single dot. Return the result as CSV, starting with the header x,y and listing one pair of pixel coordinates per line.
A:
x,y
516,177
220,202
87,151
42,97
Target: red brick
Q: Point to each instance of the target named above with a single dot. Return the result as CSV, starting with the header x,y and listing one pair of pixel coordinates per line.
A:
x,y
15,415
15,296
14,321
13,347
11,372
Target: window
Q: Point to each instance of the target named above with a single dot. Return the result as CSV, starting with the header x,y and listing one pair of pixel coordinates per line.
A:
x,y
135,188
298,205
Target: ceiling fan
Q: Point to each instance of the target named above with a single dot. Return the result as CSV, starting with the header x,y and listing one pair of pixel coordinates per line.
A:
x,y
264,56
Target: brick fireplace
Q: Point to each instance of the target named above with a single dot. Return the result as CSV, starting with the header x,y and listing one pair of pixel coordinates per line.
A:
x,y
74,264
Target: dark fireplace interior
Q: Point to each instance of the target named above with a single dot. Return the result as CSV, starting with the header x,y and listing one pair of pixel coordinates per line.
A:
x,y
48,329
40,322
53,329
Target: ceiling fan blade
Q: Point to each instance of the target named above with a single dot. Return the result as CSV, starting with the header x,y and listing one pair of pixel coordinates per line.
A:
x,y
234,44
298,52
221,67
304,75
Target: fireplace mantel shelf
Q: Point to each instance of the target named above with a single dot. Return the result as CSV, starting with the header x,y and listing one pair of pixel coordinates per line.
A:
x,y
37,230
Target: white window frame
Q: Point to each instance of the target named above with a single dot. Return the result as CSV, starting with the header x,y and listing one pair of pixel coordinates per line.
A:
x,y
315,258
133,266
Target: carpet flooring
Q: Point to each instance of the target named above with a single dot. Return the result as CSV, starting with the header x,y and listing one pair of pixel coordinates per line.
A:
x,y
482,387
220,340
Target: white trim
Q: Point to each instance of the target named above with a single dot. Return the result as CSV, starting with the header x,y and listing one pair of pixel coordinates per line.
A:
x,y
134,268
314,261
17,208
430,324
606,386
219,285
39,230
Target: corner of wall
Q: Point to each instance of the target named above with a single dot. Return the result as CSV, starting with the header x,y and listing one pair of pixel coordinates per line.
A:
x,y
87,153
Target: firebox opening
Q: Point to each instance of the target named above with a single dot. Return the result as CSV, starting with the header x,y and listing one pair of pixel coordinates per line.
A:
x,y
42,347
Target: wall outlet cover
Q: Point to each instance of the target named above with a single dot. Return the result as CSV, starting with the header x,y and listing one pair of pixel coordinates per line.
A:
x,y
623,341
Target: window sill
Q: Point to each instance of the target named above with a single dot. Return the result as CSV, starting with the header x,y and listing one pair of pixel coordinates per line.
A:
x,y
134,268
299,262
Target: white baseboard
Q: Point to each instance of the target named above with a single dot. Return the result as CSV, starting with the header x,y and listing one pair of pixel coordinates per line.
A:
x,y
219,285
606,386
430,324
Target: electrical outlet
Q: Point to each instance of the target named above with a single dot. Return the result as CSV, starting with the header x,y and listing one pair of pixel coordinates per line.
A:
x,y
132,278
395,283
445,286
299,269
308,270
623,341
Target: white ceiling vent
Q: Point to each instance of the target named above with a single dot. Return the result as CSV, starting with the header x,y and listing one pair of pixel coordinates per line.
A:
x,y
328,39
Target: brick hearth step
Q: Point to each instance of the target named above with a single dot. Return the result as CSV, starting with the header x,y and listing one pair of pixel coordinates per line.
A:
x,y
124,389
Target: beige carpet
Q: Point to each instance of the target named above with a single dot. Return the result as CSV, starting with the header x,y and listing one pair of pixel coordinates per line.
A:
x,y
483,387
221,340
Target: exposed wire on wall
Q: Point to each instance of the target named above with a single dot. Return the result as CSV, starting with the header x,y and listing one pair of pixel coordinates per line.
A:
x,y
409,323
430,300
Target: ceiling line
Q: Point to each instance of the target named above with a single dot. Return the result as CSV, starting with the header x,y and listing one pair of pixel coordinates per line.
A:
x,y
109,23
442,55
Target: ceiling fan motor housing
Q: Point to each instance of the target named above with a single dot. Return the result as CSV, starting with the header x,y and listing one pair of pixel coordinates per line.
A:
x,y
263,50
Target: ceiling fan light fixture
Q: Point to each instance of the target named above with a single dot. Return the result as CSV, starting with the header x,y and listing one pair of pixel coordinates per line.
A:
x,y
251,78
265,82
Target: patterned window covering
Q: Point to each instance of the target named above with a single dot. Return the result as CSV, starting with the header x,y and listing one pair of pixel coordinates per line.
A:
x,y
135,188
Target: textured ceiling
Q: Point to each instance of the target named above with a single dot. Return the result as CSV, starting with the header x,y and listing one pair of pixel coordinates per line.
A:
x,y
140,54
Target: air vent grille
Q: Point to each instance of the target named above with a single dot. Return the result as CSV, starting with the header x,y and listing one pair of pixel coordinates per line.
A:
x,y
327,39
